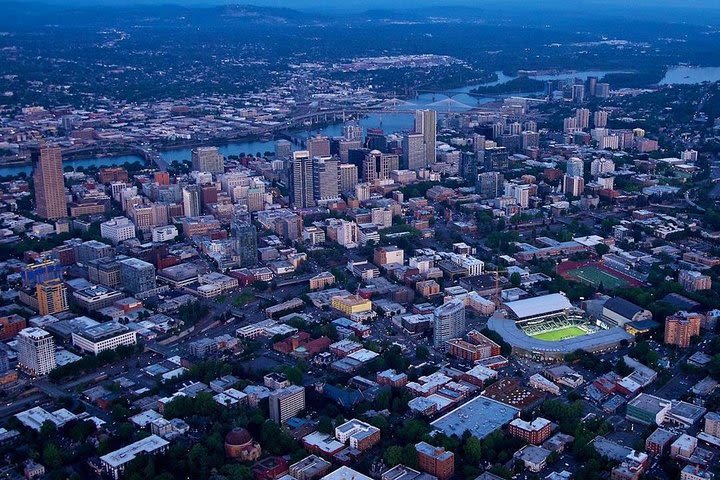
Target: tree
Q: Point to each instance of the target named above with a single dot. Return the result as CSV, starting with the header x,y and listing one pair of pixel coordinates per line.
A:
x,y
393,455
52,456
473,450
422,352
601,249
325,424
515,279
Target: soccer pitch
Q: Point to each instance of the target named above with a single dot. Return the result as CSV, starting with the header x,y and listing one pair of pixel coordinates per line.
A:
x,y
560,334
594,276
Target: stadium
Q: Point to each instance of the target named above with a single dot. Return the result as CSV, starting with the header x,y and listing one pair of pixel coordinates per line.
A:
x,y
548,327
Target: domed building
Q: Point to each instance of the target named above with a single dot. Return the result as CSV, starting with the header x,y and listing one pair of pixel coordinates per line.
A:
x,y
240,445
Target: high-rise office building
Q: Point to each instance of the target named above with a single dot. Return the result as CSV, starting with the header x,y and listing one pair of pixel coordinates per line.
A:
x,y
51,297
301,180
286,402
352,131
207,159
377,166
575,167
283,149
582,118
326,179
318,146
191,201
426,123
50,199
376,140
136,275
348,177
245,243
344,147
36,351
449,323
414,152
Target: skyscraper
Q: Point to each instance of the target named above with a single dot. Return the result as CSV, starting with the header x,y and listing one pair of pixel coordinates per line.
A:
x,y
318,146
191,201
36,351
50,199
449,323
301,180
426,123
344,147
51,297
414,153
378,165
326,179
245,242
352,131
348,177
207,159
283,149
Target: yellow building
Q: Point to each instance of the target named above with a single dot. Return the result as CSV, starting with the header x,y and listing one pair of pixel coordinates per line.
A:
x,y
51,297
351,304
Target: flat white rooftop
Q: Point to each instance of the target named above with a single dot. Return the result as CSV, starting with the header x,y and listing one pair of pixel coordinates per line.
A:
x,y
128,453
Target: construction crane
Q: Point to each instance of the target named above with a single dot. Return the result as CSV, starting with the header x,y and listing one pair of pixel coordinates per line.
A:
x,y
496,295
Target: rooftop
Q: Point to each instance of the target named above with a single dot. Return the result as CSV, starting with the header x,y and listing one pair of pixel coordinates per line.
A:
x,y
536,306
480,416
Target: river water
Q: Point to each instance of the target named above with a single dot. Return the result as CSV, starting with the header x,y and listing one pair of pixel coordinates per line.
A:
x,y
453,101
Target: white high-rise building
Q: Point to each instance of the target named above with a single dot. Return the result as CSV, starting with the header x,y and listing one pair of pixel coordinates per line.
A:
x,y
449,322
36,351
191,201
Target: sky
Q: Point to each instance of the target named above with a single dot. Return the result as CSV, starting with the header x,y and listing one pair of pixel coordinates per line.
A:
x,y
396,4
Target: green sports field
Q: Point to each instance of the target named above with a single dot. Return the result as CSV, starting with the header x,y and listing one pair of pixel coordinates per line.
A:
x,y
594,276
560,334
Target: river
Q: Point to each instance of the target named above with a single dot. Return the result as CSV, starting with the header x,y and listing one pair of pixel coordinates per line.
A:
x,y
686,75
455,101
